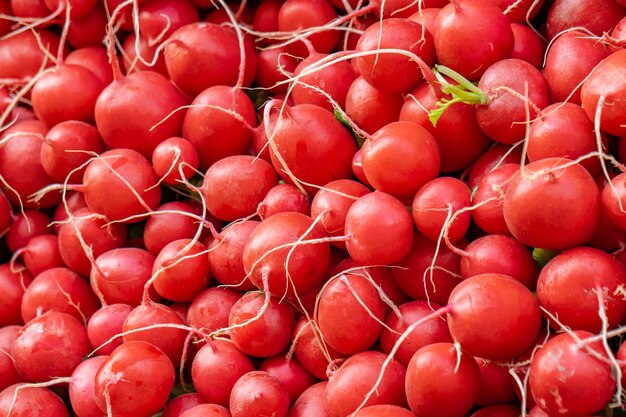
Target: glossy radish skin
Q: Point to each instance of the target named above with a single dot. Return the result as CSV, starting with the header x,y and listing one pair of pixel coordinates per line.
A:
x,y
301,14
271,63
20,55
81,388
210,309
136,378
312,352
173,155
10,375
348,386
29,399
181,272
435,374
551,206
12,288
202,410
291,373
89,30
394,73
493,158
496,384
563,367
26,226
51,344
136,54
568,288
95,59
528,45
595,16
106,323
284,198
258,392
42,253
370,108
489,215
161,18
311,402
181,404
169,222
470,36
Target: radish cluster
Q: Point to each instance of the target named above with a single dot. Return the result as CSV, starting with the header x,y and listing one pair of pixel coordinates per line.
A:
x,y
329,208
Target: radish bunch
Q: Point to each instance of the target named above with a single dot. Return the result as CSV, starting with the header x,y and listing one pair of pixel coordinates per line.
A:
x,y
329,208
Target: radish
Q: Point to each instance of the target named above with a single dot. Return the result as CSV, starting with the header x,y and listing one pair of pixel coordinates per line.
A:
x,y
297,15
426,17
560,372
595,16
52,344
89,30
283,198
349,387
274,66
496,384
26,226
29,399
266,18
172,156
21,58
13,284
257,393
9,373
106,323
135,380
81,388
311,350
169,222
488,199
219,357
613,201
350,314
521,12
41,253
403,8
141,55
291,373
437,372
493,158
159,19
94,59
379,228
311,402
552,204
177,406
234,186
370,108
591,278
384,410
78,8
500,410
6,214
60,290
528,45
202,410
210,309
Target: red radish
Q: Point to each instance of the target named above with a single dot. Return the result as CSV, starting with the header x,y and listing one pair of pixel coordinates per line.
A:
x,y
219,16
560,372
348,387
234,186
493,158
25,227
219,357
563,130
266,18
569,61
500,254
334,80
169,340
78,9
94,59
438,372
311,350
470,36
257,393
392,72
52,344
426,17
216,112
181,270
10,375
126,174
173,155
19,152
106,323
459,138
13,284
29,8
61,290
167,223
618,36
357,168
552,204
89,30
613,201
121,274
65,149
496,384
260,330
273,66
590,275
159,19
182,403
142,56
96,235
403,8
202,55
226,255
291,373
379,230
528,45
328,160
81,388
21,57
369,108
6,214
500,410
207,410
311,402
41,253
29,399
488,198
283,198
67,92
604,87
416,277
435,331
434,205
384,410
294,268
136,379
350,314
596,16
5,25
297,15
521,11
209,310
418,165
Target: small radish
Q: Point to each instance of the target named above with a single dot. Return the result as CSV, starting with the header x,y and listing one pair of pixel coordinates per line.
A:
x,y
22,402
596,16
177,406
311,402
496,384
169,222
142,56
370,108
210,309
106,323
26,226
9,373
172,156
13,283
181,270
89,30
41,253
384,410
311,350
81,389
257,393
284,198
203,410
488,199
493,158
291,373
296,15
159,19
94,59
528,45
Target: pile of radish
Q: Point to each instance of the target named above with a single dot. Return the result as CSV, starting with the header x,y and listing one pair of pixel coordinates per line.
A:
x,y
312,208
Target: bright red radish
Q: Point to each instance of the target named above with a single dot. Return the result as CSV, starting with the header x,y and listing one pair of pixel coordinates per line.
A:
x,y
94,59
496,384
106,323
384,410
172,156
21,57
371,108
142,56
8,371
379,230
528,45
284,198
6,214
169,222
89,30
402,8
560,372
81,390
499,410
209,310
597,16
350,314
13,284
296,15
159,19
613,201
219,357
311,402
207,410
257,393
348,387
552,204
438,372
393,72
311,349
29,399
181,270
226,255
493,158
135,380
25,227
41,253
182,403
488,198
52,344
291,373
274,66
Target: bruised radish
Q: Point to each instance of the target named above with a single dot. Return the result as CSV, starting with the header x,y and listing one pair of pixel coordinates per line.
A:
x,y
135,380
257,393
106,323
13,284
